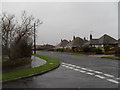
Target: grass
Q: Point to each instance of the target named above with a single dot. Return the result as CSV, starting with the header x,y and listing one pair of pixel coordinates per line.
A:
x,y
71,53
111,57
32,71
3,58
16,63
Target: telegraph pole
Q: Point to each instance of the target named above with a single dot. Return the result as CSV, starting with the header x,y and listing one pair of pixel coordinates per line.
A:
x,y
34,40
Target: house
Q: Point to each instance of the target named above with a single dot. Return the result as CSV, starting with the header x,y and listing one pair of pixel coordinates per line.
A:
x,y
103,40
107,40
76,42
93,43
44,47
62,44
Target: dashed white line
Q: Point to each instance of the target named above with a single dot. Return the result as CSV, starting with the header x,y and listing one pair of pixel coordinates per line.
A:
x,y
76,69
118,78
111,80
98,72
84,68
108,75
92,72
82,71
100,76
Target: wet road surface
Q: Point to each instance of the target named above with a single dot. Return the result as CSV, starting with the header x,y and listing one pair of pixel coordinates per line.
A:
x,y
74,72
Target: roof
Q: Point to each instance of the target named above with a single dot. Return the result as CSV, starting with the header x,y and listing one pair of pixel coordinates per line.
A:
x,y
93,42
63,43
76,42
69,45
106,39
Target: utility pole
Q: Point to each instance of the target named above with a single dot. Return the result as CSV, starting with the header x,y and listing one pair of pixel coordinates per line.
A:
x,y
34,40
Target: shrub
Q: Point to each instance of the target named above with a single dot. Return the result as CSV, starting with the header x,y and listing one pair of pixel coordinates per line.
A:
x,y
50,49
21,49
107,48
117,51
109,53
98,51
86,49
68,50
60,49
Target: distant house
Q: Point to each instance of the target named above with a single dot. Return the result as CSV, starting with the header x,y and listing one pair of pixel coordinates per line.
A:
x,y
76,42
104,40
107,40
119,42
45,47
93,43
62,44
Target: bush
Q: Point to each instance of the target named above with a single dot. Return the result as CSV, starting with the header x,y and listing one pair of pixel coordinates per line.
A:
x,y
87,49
67,49
50,49
98,51
21,49
117,52
109,53
108,48
60,49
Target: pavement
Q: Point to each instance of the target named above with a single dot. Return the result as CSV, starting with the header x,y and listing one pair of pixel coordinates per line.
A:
x,y
36,62
74,72
100,55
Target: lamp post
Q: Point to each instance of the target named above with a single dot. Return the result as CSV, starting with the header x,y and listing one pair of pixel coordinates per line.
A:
x,y
34,40
35,37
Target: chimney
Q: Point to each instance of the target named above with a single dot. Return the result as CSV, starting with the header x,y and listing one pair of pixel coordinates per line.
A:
x,y
73,37
90,36
84,38
61,40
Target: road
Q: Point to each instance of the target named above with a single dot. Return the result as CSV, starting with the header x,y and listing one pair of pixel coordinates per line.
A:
x,y
74,72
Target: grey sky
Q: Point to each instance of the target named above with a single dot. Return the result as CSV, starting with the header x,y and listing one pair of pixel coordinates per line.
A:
x,y
62,19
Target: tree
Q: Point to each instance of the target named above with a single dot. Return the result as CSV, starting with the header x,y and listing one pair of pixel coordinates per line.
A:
x,y
18,36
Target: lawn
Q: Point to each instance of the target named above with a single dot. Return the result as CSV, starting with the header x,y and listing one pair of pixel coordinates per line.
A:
x,y
51,64
111,57
70,53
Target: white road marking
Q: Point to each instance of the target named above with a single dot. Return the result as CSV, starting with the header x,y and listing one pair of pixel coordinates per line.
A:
x,y
95,73
99,76
84,68
108,75
90,70
98,72
90,73
82,71
118,78
111,80
76,69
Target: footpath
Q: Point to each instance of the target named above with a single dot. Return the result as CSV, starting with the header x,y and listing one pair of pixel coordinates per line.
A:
x,y
36,62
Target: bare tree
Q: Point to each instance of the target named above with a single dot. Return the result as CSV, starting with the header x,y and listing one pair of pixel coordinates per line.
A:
x,y
14,33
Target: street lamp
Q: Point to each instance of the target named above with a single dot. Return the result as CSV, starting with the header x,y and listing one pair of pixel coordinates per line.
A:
x,y
35,37
34,40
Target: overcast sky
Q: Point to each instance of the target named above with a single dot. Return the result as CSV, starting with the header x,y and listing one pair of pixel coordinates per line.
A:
x,y
62,20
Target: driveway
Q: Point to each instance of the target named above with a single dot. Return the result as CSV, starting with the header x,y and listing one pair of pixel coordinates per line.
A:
x,y
74,72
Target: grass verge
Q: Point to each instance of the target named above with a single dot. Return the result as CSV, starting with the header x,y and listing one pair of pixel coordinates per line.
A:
x,y
32,71
111,57
71,53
